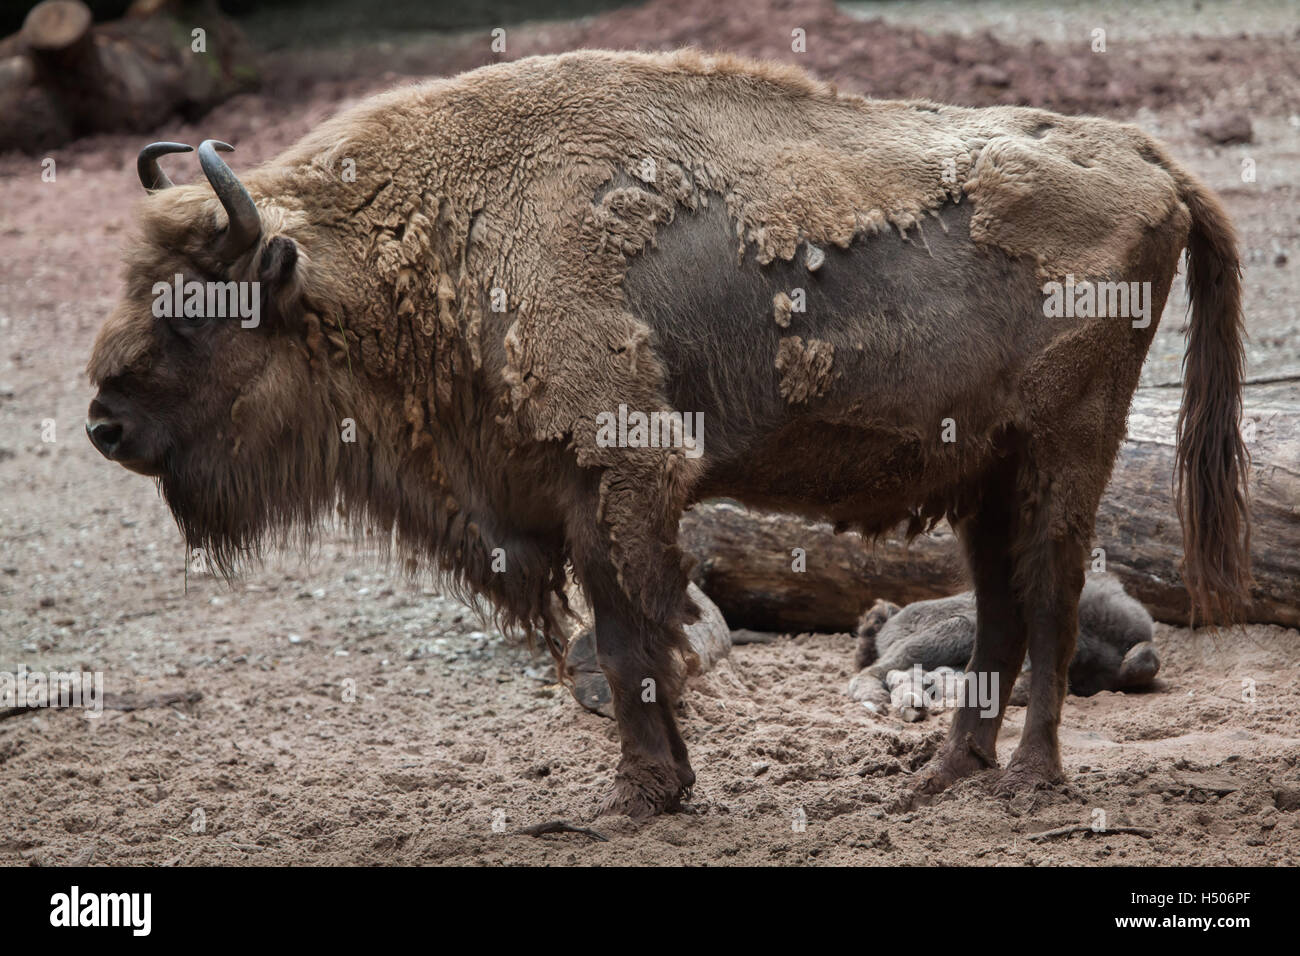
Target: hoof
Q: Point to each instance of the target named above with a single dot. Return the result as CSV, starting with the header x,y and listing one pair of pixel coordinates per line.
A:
x,y
953,763
1025,774
646,791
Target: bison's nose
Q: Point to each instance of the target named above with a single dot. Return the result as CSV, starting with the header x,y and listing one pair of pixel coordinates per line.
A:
x,y
103,430
106,436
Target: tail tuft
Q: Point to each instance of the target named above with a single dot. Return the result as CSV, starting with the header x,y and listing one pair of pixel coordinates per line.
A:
x,y
1212,461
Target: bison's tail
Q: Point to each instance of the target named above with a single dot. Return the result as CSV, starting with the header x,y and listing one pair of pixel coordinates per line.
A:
x,y
1212,461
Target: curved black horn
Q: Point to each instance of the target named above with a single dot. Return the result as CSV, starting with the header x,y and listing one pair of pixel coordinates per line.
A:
x,y
245,224
146,164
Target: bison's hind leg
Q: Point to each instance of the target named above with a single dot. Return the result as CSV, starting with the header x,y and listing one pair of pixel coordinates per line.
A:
x,y
1000,635
1050,594
1061,502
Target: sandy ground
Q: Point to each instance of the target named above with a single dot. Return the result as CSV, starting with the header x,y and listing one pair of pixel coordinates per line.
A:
x,y
351,716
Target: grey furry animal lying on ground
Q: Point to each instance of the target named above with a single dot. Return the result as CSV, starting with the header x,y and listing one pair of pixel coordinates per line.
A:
x,y
934,639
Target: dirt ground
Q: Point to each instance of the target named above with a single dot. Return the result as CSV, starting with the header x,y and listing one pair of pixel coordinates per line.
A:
x,y
456,738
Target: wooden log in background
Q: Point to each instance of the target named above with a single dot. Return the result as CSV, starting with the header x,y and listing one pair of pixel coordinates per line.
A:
x,y
64,76
745,561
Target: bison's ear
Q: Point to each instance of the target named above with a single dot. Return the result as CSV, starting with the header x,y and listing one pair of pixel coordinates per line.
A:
x,y
277,274
279,260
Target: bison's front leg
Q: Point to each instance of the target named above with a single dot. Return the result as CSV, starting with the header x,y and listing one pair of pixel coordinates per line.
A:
x,y
638,659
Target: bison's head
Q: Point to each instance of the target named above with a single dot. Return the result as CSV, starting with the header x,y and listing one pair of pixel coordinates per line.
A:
x,y
203,376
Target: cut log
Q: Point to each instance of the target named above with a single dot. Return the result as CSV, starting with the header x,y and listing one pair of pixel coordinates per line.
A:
x,y
64,76
746,565
58,27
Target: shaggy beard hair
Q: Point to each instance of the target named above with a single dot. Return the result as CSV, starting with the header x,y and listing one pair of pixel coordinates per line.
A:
x,y
283,496
233,511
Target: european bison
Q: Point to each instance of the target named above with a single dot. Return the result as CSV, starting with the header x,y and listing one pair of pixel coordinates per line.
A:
x,y
879,311
1113,650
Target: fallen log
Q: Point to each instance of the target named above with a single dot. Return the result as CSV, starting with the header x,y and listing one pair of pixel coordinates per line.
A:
x,y
746,565
63,76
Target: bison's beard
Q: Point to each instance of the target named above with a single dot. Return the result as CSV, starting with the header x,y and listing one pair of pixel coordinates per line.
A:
x,y
280,493
232,506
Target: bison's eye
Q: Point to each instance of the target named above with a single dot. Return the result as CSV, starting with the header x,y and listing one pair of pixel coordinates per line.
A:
x,y
191,322
188,326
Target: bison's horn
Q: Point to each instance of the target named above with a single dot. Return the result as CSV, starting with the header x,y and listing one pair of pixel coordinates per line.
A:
x,y
245,224
146,164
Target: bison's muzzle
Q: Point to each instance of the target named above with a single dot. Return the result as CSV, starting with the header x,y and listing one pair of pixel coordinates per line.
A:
x,y
116,442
